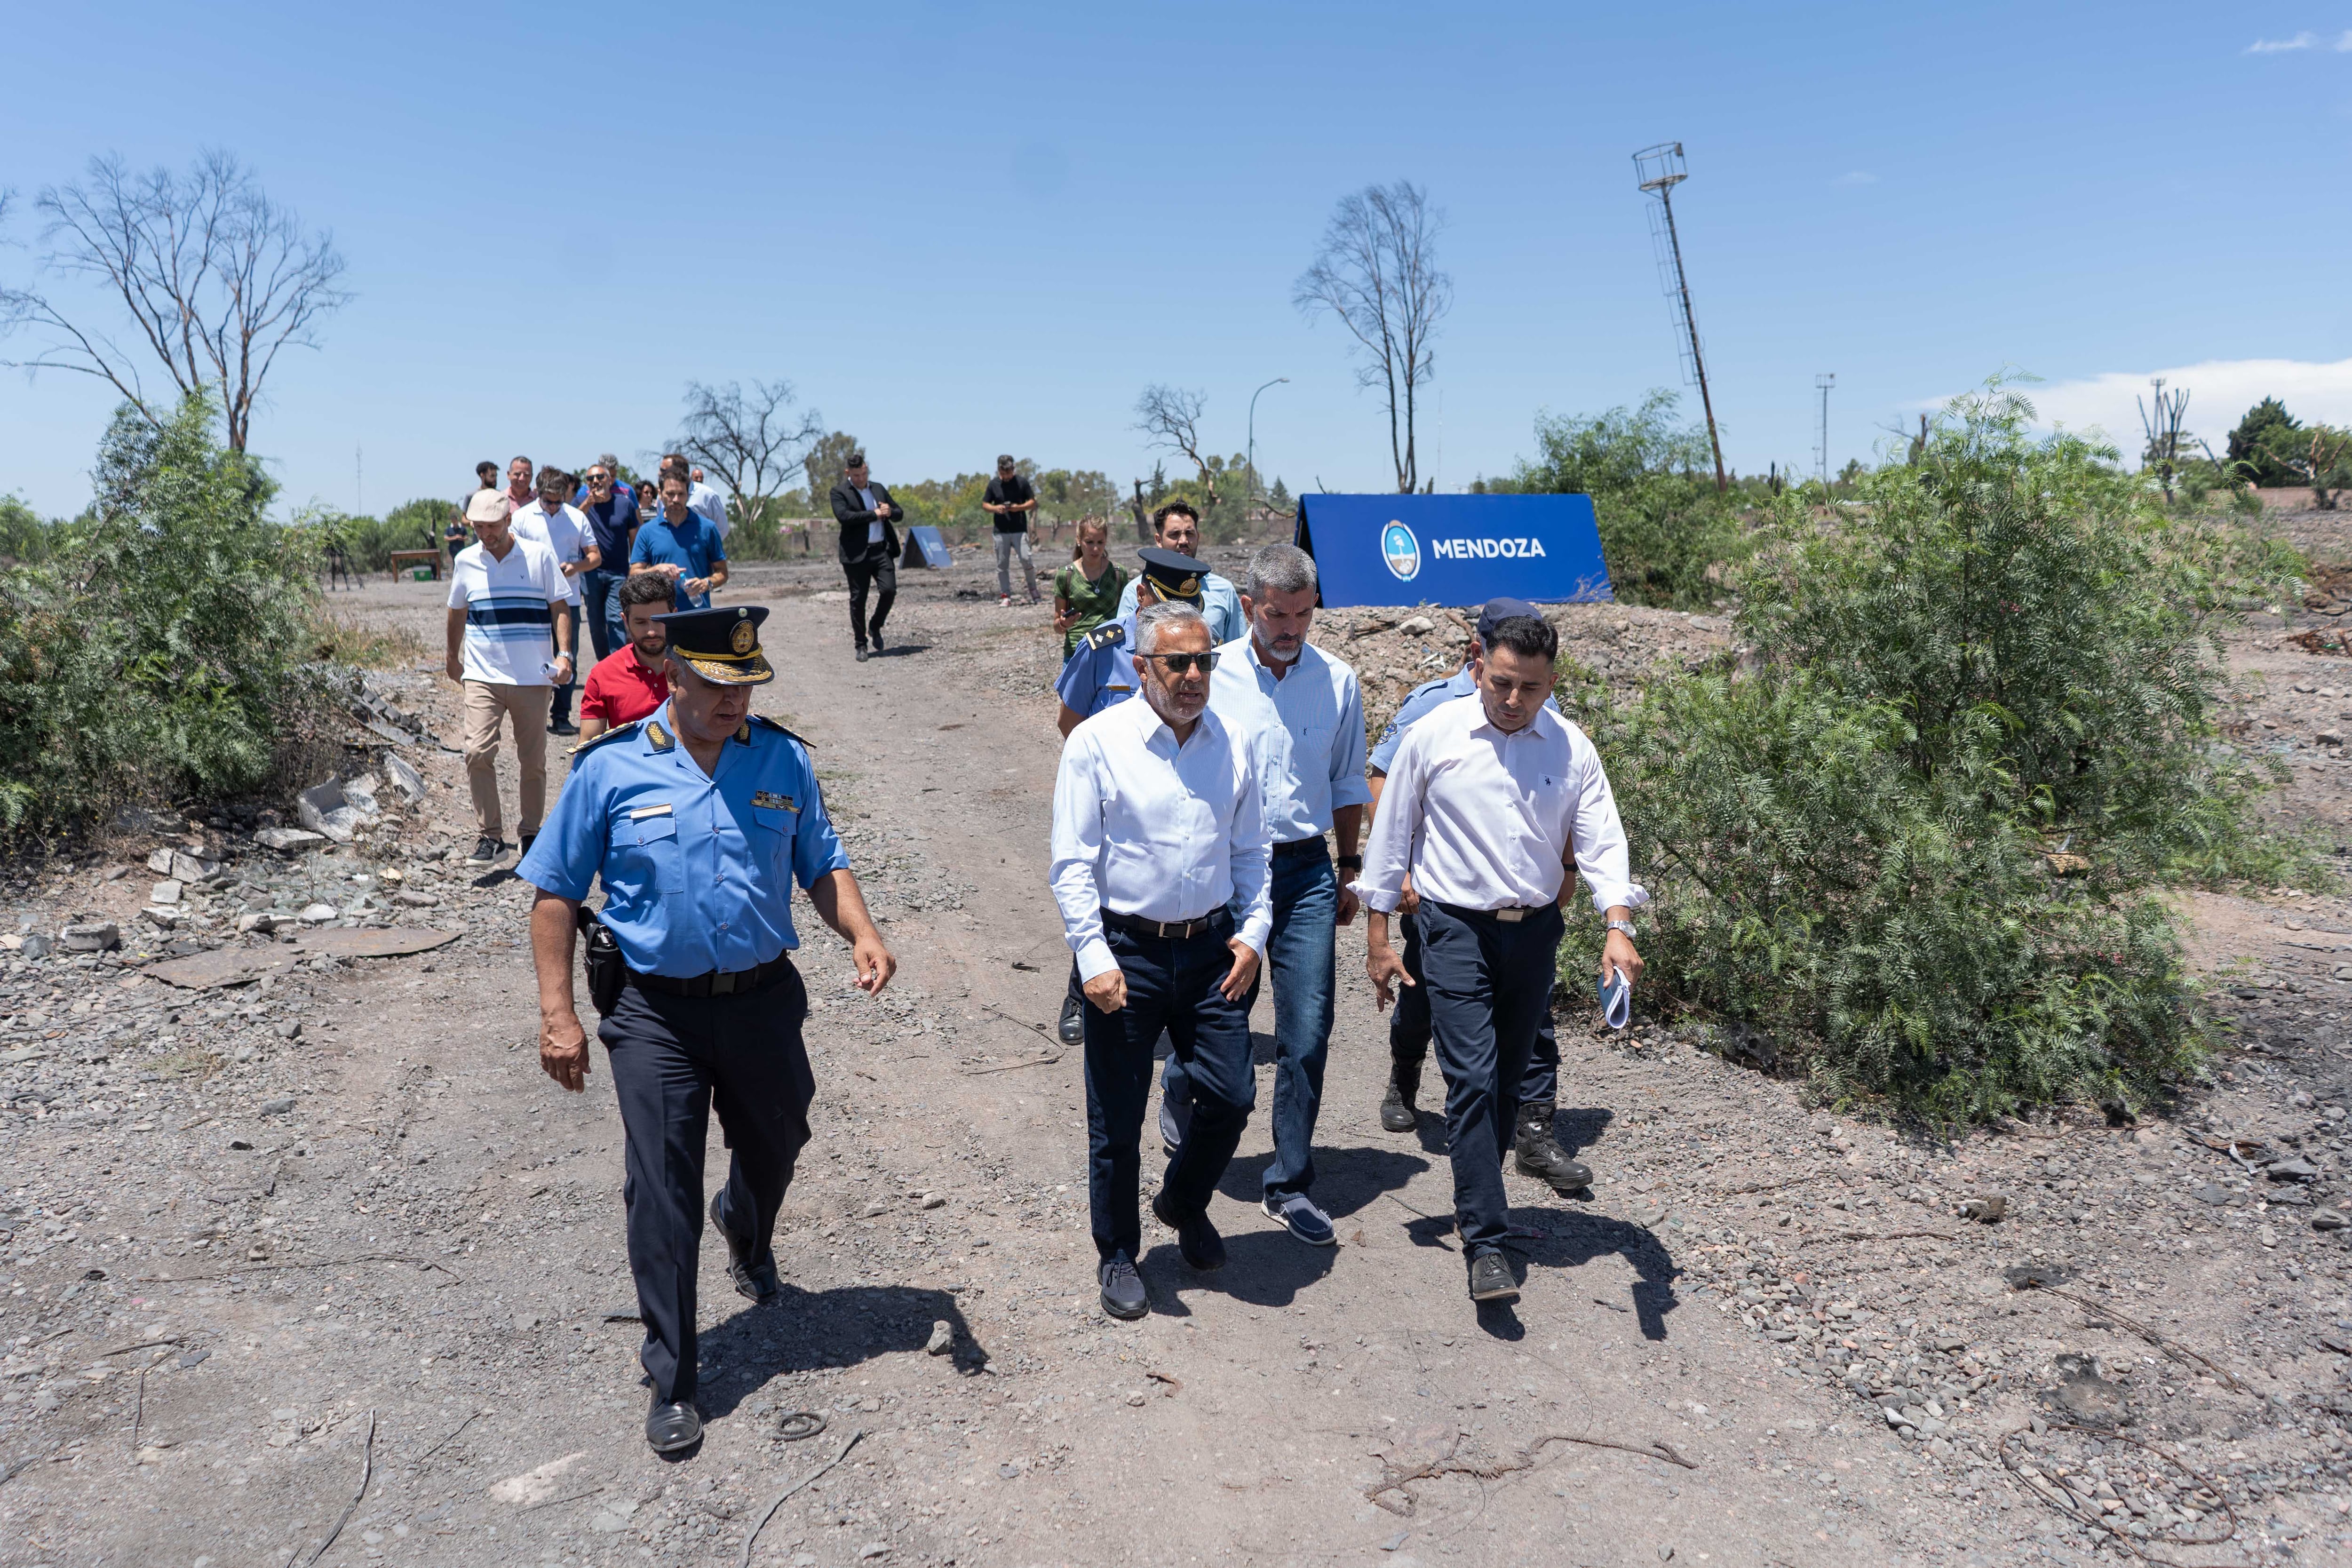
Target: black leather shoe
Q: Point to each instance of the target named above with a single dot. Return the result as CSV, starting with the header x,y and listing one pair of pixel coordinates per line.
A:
x,y
1074,1021
1122,1288
1397,1114
861,654
1490,1277
876,633
1203,1249
754,1281
1537,1154
669,1427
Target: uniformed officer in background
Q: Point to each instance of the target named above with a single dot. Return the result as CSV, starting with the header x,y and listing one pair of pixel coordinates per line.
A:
x,y
698,818
1535,1140
1102,670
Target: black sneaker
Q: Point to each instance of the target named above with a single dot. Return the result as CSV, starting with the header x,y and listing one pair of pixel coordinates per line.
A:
x,y
876,633
1203,1249
861,652
1490,1277
1122,1288
486,852
528,840
1073,1031
563,727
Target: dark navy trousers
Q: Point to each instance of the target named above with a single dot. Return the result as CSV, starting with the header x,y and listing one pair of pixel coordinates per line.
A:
x,y
1490,985
1409,1026
674,1057
1172,984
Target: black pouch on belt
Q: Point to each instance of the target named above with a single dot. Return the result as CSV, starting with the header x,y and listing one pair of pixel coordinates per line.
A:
x,y
607,971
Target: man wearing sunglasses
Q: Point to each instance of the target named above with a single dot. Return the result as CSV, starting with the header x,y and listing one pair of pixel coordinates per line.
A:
x,y
611,513
1159,868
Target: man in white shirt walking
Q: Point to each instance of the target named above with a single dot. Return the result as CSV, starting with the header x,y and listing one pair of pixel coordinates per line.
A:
x,y
506,598
1159,868
1307,711
1489,800
553,521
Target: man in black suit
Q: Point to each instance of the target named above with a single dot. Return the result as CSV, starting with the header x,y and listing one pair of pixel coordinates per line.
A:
x,y
869,548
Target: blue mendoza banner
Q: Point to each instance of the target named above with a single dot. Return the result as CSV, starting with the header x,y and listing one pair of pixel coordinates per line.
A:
x,y
1453,549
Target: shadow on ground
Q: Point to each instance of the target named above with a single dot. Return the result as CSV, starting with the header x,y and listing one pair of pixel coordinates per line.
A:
x,y
803,1328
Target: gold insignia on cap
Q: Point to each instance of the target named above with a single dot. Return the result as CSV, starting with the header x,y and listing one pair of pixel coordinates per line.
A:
x,y
744,638
1188,588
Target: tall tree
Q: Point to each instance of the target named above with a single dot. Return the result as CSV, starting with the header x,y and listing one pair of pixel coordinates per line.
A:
x,y
750,443
1377,272
2250,453
216,277
824,465
1170,417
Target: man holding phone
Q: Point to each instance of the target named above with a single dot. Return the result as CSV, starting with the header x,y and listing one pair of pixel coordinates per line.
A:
x,y
1490,800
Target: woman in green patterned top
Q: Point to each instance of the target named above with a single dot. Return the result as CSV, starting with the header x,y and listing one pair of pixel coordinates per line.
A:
x,y
1087,591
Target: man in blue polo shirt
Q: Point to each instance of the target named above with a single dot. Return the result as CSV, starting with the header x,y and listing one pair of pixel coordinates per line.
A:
x,y
681,545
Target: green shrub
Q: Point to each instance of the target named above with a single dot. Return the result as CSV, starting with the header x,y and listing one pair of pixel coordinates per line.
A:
x,y
158,650
1910,846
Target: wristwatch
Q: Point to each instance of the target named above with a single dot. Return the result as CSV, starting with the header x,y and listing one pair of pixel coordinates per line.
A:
x,y
1351,862
1625,926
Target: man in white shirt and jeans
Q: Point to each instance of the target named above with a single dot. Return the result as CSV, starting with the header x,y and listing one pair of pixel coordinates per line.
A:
x,y
506,597
1489,800
1159,868
553,521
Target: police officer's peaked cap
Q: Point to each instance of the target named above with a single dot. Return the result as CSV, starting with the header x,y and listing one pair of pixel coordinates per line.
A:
x,y
720,644
1174,576
1497,611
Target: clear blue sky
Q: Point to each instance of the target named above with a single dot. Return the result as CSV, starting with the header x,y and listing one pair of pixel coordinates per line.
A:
x,y
966,228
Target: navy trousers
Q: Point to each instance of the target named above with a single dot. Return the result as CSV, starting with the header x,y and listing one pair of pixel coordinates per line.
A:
x,y
1490,985
1172,984
674,1057
1409,1026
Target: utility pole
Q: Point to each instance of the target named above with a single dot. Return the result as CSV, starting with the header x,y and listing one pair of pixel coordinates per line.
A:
x,y
1250,459
1821,453
1658,170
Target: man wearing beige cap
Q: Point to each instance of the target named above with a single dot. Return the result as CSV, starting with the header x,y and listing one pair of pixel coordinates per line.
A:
x,y
506,596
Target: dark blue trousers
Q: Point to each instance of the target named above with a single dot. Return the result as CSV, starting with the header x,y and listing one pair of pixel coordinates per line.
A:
x,y
1170,986
1409,1026
674,1057
1490,985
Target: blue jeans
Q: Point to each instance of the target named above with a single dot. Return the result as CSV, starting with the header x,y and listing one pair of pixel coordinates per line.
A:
x,y
601,590
1298,957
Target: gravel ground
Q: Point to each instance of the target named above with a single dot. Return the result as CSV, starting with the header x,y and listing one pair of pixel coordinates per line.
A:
x,y
326,1233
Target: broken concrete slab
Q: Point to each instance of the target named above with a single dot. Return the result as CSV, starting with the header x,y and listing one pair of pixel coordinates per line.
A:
x,y
236,965
285,838
404,777
187,867
92,936
326,809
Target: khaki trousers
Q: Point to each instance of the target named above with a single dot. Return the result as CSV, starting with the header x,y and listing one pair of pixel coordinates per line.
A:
x,y
525,709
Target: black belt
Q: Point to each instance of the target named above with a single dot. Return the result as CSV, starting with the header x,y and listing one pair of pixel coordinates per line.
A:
x,y
1171,929
732,983
1317,845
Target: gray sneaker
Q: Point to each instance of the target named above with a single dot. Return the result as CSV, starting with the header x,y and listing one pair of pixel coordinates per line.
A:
x,y
1122,1288
1299,1215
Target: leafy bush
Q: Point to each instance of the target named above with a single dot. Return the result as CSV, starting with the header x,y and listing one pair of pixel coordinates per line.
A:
x,y
1913,842
368,543
1666,533
159,649
23,536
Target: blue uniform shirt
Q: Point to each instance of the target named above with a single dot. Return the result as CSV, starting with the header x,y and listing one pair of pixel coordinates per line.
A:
x,y
1095,676
1421,698
698,871
691,545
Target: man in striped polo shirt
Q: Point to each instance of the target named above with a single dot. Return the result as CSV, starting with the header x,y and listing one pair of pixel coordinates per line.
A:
x,y
506,595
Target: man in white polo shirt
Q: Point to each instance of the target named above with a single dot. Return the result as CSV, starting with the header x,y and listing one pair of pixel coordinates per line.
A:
x,y
553,521
506,596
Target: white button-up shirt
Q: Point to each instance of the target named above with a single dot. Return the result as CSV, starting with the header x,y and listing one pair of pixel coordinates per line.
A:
x,y
1486,819
1144,827
1318,758
565,533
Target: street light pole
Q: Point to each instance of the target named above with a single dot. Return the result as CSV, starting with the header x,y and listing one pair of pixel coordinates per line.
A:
x,y
1252,459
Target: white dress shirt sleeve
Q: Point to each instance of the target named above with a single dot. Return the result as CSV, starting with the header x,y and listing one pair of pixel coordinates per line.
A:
x,y
1389,855
1252,847
1349,785
1598,835
1079,788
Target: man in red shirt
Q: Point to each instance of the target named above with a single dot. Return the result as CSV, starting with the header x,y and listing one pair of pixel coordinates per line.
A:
x,y
629,682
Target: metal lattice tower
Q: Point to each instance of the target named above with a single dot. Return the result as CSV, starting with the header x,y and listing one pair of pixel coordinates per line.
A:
x,y
1823,382
1659,170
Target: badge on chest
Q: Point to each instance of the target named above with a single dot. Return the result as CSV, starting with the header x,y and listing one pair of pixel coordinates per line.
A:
x,y
768,801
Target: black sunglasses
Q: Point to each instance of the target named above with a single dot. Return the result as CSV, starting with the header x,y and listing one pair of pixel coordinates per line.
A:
x,y
1179,663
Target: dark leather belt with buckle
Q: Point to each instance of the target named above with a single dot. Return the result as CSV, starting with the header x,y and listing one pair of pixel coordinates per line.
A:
x,y
1317,845
731,983
1215,922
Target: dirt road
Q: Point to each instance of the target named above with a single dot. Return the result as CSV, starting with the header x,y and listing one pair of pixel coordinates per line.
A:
x,y
229,1316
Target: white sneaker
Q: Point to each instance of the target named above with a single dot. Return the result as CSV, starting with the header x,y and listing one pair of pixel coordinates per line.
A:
x,y
1004,601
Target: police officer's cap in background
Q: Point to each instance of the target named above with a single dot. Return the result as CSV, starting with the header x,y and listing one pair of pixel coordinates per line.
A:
x,y
1497,611
720,644
1174,576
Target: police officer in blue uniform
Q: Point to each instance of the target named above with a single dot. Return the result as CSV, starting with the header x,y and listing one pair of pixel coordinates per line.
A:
x,y
1102,670
698,818
1535,1148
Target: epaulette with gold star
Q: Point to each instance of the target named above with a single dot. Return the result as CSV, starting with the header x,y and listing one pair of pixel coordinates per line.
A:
x,y
608,737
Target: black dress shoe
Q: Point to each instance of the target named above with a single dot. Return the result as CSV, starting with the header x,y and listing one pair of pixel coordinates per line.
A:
x,y
1203,1249
1490,1277
1122,1290
754,1281
876,633
1074,1021
669,1427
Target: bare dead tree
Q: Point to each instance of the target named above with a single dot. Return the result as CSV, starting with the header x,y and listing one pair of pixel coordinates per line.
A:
x,y
1142,515
1377,272
1170,417
2163,427
750,443
216,277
